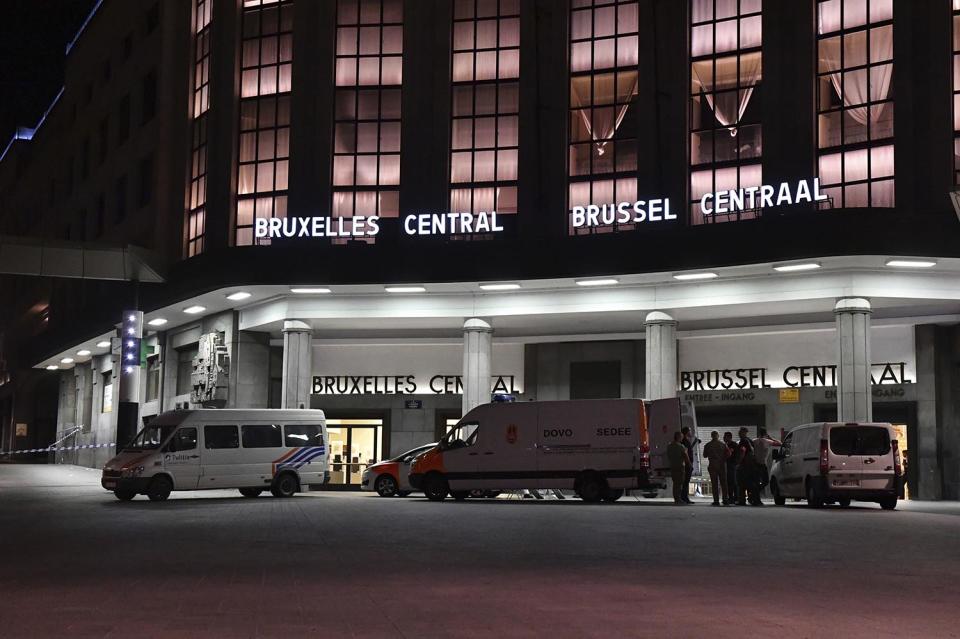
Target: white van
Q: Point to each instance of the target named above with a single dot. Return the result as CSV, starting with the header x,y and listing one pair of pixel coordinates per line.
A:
x,y
253,450
839,462
598,448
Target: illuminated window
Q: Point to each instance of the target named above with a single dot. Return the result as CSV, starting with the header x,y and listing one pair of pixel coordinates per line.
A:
x,y
726,70
854,105
369,73
604,58
264,144
486,106
196,213
956,90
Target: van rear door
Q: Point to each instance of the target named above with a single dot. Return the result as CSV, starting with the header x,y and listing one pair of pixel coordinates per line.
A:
x,y
663,420
867,454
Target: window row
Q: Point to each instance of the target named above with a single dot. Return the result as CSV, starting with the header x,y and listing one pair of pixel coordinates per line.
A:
x,y
252,436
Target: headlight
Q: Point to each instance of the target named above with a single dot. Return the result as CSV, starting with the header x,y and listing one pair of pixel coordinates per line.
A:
x,y
365,475
132,472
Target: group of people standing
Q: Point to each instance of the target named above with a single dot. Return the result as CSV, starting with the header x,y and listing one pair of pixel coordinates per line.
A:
x,y
738,469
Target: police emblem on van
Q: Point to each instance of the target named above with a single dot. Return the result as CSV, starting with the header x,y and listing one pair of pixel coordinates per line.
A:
x,y
512,434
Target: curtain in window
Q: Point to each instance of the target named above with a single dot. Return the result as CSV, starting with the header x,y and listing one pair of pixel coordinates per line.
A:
x,y
729,106
601,123
871,84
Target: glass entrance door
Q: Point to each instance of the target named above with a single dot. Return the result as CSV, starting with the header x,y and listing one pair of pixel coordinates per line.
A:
x,y
354,445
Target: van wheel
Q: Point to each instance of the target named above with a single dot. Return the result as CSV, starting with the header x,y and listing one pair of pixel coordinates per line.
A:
x,y
160,488
285,485
888,503
844,502
435,487
250,492
612,495
124,495
592,488
778,499
386,486
460,495
814,498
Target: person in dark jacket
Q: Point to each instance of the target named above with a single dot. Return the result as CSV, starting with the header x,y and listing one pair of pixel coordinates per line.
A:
x,y
689,441
733,489
747,472
679,463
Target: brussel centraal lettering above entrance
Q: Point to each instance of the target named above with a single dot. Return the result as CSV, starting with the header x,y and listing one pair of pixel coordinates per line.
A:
x,y
652,210
402,385
792,377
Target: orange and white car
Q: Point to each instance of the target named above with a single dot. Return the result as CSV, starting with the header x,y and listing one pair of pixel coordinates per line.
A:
x,y
390,477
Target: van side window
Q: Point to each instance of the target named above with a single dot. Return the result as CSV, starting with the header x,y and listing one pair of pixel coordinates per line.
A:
x,y
183,439
261,436
787,443
295,435
220,437
461,436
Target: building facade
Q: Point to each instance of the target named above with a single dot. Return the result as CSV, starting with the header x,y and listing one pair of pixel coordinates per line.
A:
x,y
389,209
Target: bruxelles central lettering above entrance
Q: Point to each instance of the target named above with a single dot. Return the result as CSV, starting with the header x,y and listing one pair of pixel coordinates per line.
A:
x,y
650,211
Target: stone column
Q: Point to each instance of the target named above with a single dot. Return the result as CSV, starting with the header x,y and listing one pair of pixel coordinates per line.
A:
x,y
477,355
297,364
661,370
854,399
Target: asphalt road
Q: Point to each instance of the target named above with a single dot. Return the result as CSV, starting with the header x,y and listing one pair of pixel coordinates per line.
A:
x,y
76,562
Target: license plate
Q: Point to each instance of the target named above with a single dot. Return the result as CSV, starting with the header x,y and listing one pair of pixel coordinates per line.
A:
x,y
846,482
109,483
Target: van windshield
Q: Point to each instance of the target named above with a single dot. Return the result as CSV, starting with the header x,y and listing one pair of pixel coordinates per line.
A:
x,y
150,438
860,440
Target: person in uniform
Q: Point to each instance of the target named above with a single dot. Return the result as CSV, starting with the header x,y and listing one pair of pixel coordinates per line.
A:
x,y
689,441
717,453
679,463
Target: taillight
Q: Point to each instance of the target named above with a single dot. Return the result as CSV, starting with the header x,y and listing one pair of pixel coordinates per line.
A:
x,y
897,462
824,457
645,456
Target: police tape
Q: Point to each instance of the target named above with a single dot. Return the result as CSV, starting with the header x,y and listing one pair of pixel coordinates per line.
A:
x,y
55,449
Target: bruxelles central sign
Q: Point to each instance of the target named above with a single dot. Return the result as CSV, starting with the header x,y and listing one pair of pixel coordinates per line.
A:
x,y
588,216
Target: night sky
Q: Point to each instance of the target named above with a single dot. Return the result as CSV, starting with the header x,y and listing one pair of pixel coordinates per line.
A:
x,y
33,37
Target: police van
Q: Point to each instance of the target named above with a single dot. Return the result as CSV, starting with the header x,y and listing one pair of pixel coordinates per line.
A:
x,y
283,451
599,448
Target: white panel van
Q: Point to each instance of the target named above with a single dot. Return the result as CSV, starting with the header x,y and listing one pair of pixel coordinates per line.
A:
x,y
839,462
283,451
598,448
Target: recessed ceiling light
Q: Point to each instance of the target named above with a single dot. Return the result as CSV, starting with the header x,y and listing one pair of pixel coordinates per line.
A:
x,y
83,353
911,263
157,322
802,266
104,344
603,281
405,289
694,276
310,290
53,367
193,310
238,296
66,360
500,287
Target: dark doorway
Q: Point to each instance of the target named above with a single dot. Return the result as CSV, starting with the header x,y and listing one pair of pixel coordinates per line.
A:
x,y
595,380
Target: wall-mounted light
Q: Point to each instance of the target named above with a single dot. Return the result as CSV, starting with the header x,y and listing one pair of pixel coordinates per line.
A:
x,y
310,290
104,344
83,353
239,296
600,281
898,263
800,266
405,289
53,367
684,277
159,321
194,310
504,286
